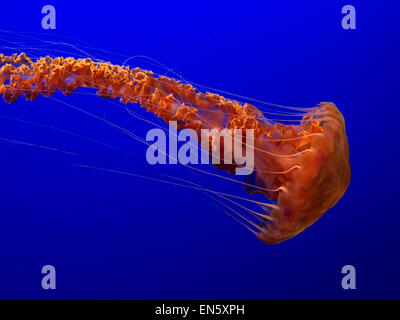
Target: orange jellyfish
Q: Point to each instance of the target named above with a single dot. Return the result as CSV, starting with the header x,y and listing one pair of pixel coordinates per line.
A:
x,y
303,169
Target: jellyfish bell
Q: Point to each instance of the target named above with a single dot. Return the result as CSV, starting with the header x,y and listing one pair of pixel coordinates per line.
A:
x,y
319,180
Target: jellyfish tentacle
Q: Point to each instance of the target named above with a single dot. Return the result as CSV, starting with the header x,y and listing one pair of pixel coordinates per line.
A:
x,y
317,146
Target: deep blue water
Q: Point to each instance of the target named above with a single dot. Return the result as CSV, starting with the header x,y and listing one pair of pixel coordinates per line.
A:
x,y
117,236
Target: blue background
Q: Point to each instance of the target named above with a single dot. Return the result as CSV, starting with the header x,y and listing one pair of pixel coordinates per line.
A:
x,y
117,236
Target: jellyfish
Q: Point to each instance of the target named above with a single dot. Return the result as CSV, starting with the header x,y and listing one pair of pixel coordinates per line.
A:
x,y
301,169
